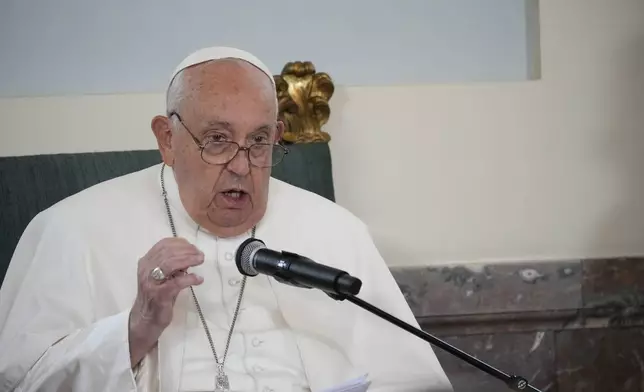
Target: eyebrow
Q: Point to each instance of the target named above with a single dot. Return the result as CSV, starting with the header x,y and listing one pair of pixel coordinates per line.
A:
x,y
265,127
218,123
214,123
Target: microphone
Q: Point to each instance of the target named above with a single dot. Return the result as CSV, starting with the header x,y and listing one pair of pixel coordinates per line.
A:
x,y
253,258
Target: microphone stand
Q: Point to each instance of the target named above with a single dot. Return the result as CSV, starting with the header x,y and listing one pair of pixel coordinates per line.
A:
x,y
515,383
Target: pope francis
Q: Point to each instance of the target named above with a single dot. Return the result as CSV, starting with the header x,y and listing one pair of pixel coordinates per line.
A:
x,y
131,285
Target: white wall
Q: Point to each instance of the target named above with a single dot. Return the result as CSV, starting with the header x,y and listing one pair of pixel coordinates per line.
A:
x,y
68,47
504,171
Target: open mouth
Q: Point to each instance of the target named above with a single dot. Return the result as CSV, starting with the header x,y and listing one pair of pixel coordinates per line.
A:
x,y
232,198
234,194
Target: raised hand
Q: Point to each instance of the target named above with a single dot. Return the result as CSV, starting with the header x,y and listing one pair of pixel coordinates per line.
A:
x,y
162,274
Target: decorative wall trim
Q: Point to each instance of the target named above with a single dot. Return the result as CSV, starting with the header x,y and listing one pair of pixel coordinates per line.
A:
x,y
570,290
570,325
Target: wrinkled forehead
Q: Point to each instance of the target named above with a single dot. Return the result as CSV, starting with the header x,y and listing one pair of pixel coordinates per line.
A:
x,y
227,86
216,78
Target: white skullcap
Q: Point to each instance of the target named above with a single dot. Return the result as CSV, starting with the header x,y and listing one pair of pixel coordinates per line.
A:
x,y
219,53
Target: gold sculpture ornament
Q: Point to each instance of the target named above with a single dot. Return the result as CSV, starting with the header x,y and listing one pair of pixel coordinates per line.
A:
x,y
303,95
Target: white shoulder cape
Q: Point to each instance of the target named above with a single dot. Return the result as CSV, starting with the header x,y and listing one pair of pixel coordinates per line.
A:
x,y
65,300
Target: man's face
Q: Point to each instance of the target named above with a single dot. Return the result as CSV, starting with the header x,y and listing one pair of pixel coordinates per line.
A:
x,y
226,100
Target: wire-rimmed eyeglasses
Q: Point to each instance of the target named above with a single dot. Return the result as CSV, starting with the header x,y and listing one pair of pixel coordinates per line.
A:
x,y
215,152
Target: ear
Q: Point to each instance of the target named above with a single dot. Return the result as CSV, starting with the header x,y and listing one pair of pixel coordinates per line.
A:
x,y
280,131
163,133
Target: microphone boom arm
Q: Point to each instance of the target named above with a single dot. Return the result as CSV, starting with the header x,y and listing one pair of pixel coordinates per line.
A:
x,y
515,383
253,258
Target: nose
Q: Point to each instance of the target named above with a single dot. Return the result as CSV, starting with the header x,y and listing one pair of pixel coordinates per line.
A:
x,y
240,165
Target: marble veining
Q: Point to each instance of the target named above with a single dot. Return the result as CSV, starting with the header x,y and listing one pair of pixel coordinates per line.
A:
x,y
566,326
460,290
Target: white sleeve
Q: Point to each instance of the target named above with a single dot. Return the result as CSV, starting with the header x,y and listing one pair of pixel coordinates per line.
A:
x,y
50,339
397,361
94,358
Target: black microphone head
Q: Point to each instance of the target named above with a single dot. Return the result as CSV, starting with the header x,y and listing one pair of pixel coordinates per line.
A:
x,y
245,254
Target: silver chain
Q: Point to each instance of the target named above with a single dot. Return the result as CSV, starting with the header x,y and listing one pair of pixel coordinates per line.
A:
x,y
194,297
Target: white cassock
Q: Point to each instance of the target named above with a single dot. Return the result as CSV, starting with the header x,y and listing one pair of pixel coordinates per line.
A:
x,y
65,301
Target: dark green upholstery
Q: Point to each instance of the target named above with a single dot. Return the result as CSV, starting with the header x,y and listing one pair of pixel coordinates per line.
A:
x,y
30,184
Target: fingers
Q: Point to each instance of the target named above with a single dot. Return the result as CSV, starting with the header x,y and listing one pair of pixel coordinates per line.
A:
x,y
178,263
168,291
155,299
172,241
172,244
183,281
171,255
174,256
183,251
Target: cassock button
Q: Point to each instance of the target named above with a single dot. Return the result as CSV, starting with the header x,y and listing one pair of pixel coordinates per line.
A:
x,y
229,256
256,342
233,281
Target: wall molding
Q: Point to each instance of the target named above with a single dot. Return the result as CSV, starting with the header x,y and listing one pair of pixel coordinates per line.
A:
x,y
570,325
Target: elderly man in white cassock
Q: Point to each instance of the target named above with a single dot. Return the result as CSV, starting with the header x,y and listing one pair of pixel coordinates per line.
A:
x,y
131,285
